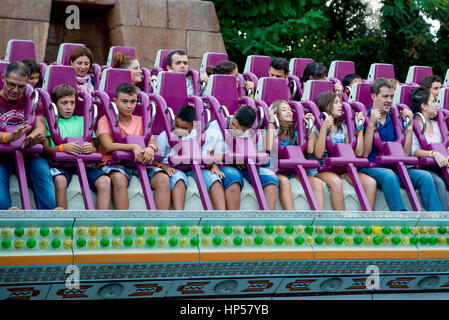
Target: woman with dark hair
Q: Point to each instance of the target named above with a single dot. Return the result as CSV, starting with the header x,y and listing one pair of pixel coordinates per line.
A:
x,y
81,59
34,71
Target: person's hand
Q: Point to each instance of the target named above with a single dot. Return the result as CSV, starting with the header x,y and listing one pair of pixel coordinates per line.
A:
x,y
270,115
249,85
137,153
374,117
216,170
169,170
406,113
87,148
360,117
33,139
309,116
441,160
204,77
328,122
338,88
73,148
147,155
18,132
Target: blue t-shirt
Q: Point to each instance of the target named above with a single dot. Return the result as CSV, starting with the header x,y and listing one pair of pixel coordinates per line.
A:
x,y
387,133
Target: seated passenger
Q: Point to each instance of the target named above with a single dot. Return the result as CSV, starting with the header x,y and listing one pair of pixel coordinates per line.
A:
x,y
126,100
288,136
421,100
178,61
73,126
185,130
12,107
229,68
121,61
388,180
349,80
241,126
317,71
433,84
394,82
329,102
81,59
34,72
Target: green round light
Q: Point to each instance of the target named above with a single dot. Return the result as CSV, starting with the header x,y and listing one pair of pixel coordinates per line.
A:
x,y
6,243
358,240
405,230
377,240
18,232
104,242
269,229
173,242
249,229
319,239
308,229
289,229
151,241
44,231
31,243
442,230
424,240
258,240
194,242
162,230
386,230
81,242
329,229
279,240
216,240
128,241
184,230
55,243
433,240
396,240
238,241
368,230
349,230
116,231
140,230
338,240
227,230
414,240
206,229
68,231
299,240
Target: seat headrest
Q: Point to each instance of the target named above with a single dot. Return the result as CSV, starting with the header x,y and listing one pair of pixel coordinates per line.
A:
x,y
339,69
65,49
313,88
127,51
259,65
19,50
56,75
402,94
112,78
361,92
381,70
272,89
297,66
211,59
416,73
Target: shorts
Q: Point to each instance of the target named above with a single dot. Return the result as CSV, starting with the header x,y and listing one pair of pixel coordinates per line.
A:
x,y
208,176
233,175
92,175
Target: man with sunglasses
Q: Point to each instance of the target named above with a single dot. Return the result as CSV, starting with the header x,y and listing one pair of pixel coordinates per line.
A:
x,y
12,112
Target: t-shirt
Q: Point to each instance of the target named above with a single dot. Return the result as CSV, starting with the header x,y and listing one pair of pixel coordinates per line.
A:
x,y
164,147
133,129
14,113
71,127
435,138
386,132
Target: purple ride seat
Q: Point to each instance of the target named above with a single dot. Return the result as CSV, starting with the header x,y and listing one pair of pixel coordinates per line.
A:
x,y
416,73
223,100
290,158
170,93
443,98
211,59
63,58
14,148
84,107
109,81
297,66
361,94
339,69
446,79
161,65
380,70
341,155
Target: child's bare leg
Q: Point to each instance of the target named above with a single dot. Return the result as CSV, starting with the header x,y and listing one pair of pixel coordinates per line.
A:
x,y
232,196
178,195
318,190
368,184
271,194
333,181
103,185
120,198
60,182
217,196
285,192
160,182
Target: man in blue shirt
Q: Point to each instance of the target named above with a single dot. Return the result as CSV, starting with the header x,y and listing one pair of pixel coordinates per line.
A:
x,y
388,180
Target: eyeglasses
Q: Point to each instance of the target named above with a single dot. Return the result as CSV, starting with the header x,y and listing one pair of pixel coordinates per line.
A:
x,y
12,86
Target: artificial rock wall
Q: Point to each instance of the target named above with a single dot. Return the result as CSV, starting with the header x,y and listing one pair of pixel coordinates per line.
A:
x,y
147,25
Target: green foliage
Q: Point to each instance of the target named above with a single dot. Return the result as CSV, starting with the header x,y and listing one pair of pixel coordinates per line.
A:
x,y
327,30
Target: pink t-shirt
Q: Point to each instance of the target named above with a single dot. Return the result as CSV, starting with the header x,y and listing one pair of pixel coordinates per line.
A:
x,y
14,113
133,129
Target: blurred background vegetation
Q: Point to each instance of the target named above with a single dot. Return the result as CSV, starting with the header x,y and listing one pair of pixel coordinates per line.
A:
x,y
400,32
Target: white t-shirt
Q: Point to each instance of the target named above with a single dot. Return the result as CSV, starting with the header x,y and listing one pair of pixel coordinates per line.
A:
x,y
435,138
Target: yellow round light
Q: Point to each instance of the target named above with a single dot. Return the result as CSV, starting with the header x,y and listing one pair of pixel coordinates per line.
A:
x,y
44,243
299,229
269,240
238,230
319,229
206,241
6,232
249,240
442,240
116,242
414,231
424,229
68,243
56,231
93,231
368,239
386,240
93,243
140,241
227,241
358,229
395,229
184,242
279,229
328,240
173,230
151,230
433,230
105,231
19,243
377,230
258,229
309,240
81,231
289,240
217,229
128,230
195,230
339,229
348,240
405,240
31,232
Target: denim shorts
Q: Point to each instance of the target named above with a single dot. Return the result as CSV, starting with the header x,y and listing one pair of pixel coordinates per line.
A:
x,y
92,175
151,171
233,175
208,176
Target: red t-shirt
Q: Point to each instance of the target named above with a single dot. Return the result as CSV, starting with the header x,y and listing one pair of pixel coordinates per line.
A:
x,y
14,113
